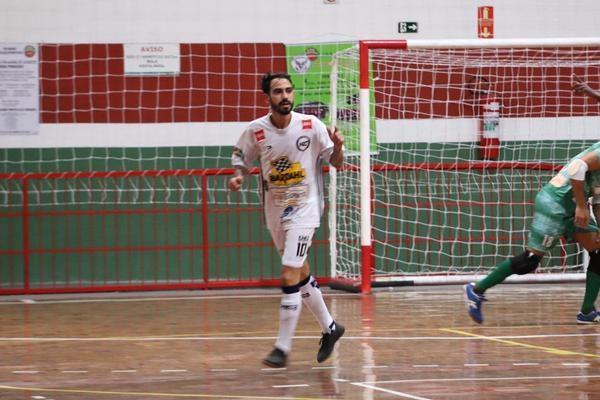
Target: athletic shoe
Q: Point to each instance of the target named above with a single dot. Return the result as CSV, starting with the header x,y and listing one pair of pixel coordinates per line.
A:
x,y
275,359
473,302
328,341
593,317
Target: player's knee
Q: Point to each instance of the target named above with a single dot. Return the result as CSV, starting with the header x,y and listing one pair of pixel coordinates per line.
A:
x,y
524,263
594,264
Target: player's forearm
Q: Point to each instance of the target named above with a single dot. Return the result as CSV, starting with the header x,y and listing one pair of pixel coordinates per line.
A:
x,y
593,93
578,193
337,157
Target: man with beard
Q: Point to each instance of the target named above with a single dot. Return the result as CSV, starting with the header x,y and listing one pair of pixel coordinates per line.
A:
x,y
290,148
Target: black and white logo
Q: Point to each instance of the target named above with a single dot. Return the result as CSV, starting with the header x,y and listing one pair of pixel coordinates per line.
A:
x,y
300,64
303,143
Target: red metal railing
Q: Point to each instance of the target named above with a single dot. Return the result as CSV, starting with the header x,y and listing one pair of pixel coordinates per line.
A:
x,y
25,270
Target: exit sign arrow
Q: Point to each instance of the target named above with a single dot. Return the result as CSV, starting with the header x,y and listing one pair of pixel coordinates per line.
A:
x,y
408,27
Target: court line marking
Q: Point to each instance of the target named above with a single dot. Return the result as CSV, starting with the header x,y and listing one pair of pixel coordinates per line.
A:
x,y
291,386
274,369
411,294
466,336
500,378
550,350
394,392
154,394
144,299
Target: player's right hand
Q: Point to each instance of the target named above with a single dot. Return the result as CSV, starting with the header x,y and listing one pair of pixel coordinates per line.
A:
x,y
579,85
235,183
582,216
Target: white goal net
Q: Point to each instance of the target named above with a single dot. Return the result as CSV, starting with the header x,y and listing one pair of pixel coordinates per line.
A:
x,y
446,205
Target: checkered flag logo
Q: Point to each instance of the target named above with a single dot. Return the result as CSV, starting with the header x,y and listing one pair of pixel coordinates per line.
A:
x,y
282,164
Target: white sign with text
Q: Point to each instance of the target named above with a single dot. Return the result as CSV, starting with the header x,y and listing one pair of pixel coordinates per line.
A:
x,y
152,59
19,89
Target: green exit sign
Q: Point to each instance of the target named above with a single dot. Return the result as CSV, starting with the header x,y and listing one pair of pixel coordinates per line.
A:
x,y
408,27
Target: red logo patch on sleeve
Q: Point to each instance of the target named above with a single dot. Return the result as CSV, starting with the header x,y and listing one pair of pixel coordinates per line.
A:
x,y
306,124
260,135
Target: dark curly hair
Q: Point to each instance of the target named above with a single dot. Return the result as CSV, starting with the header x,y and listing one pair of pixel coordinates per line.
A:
x,y
269,76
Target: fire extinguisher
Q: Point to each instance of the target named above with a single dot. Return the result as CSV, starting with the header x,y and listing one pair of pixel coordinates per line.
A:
x,y
489,127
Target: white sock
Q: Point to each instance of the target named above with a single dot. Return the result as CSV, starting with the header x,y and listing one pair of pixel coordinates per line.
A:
x,y
289,313
313,299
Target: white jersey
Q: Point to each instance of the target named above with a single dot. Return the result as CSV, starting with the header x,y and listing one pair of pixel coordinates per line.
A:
x,y
290,163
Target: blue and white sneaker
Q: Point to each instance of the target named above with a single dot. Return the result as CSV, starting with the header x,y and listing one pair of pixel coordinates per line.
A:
x,y
593,317
473,302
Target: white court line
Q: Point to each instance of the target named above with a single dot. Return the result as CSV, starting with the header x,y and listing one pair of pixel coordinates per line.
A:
x,y
516,378
327,367
371,385
290,386
566,364
525,364
123,371
400,394
25,372
374,366
223,369
274,369
426,366
476,365
235,338
28,301
74,372
143,299
166,371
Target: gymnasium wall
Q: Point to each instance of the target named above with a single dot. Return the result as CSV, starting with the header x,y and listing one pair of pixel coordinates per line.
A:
x,y
93,118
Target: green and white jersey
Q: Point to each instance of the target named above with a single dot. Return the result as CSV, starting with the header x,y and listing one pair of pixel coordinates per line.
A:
x,y
560,188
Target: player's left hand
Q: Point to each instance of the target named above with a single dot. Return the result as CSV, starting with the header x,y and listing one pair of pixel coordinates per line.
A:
x,y
336,137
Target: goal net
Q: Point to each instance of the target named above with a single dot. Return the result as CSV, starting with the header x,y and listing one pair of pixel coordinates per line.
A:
x,y
454,140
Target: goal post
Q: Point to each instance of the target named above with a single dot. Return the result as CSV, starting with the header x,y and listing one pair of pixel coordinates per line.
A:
x,y
454,139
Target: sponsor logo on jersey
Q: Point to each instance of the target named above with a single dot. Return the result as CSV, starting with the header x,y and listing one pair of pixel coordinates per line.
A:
x,y
286,173
286,213
303,143
260,135
306,124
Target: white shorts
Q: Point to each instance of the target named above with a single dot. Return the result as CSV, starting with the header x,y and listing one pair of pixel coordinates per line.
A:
x,y
293,245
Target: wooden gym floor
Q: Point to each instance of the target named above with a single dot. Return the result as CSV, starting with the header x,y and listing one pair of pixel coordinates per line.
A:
x,y
406,343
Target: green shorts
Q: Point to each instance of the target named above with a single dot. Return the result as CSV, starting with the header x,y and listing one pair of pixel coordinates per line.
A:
x,y
551,221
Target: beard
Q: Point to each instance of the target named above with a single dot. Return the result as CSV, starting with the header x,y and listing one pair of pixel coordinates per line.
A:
x,y
283,108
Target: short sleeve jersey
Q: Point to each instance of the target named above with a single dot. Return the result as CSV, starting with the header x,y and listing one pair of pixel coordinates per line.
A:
x,y
290,162
560,188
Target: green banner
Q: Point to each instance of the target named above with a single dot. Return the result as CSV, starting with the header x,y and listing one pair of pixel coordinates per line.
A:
x,y
310,67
